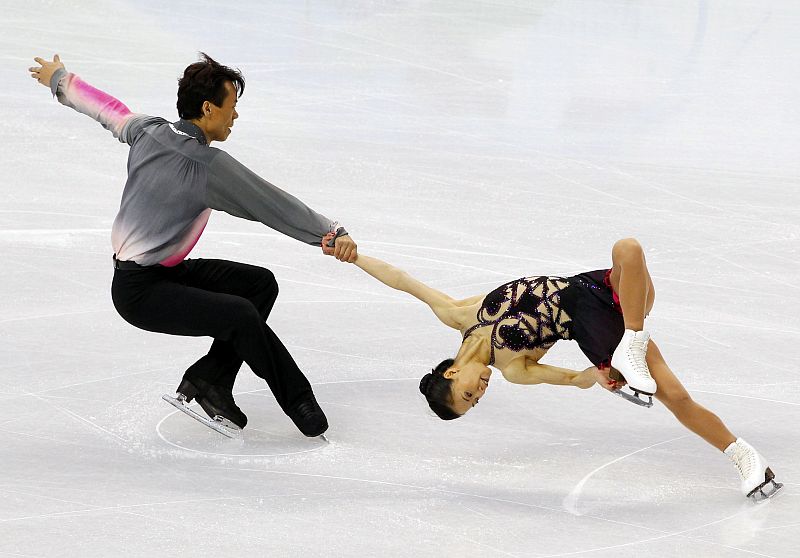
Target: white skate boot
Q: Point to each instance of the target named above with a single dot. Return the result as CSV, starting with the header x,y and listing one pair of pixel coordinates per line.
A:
x,y
629,359
758,480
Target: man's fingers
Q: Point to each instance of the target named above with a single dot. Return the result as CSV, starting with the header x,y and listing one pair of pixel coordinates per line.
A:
x,y
56,58
39,60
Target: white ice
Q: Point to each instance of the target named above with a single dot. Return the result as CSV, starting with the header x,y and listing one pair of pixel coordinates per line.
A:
x,y
470,142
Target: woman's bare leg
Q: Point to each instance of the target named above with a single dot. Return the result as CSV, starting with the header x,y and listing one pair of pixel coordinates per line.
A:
x,y
692,415
631,281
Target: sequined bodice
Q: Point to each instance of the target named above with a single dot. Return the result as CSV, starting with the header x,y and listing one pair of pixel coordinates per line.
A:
x,y
524,315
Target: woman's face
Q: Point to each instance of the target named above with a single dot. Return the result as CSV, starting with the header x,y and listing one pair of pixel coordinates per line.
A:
x,y
468,385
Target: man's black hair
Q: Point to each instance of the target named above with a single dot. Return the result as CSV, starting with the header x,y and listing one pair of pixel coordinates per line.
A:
x,y
205,81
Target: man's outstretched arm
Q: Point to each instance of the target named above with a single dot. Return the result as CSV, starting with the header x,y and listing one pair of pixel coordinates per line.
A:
x,y
235,189
72,91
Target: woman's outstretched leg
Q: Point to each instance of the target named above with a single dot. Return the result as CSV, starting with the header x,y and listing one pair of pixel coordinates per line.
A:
x,y
630,279
691,414
754,472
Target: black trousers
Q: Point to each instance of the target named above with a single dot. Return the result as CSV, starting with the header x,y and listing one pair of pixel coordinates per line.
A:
x,y
228,301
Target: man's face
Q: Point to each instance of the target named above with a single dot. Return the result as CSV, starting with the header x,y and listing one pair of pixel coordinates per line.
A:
x,y
219,120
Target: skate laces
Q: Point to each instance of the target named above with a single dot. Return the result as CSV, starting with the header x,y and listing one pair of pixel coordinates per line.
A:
x,y
637,351
744,459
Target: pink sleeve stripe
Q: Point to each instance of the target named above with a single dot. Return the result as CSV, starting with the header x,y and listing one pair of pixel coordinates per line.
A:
x,y
101,106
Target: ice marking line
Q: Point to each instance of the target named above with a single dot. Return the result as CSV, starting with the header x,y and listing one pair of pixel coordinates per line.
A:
x,y
570,502
161,435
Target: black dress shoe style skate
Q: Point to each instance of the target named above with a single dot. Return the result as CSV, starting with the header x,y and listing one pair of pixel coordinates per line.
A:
x,y
308,417
215,401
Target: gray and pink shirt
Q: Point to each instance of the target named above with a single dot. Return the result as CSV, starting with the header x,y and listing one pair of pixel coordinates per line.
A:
x,y
175,180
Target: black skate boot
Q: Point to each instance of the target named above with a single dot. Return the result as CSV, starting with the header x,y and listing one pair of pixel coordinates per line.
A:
x,y
214,400
308,417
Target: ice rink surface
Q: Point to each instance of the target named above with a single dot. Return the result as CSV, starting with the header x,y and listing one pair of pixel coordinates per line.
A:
x,y
469,142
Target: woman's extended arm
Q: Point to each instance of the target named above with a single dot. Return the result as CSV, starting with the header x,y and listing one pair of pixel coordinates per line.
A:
x,y
442,305
536,373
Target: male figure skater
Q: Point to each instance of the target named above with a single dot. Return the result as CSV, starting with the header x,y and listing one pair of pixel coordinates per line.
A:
x,y
174,181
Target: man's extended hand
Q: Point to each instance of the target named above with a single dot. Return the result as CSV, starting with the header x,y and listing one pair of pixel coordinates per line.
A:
x,y
344,248
43,73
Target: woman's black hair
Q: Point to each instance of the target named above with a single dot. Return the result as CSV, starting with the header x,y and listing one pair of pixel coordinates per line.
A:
x,y
436,389
205,81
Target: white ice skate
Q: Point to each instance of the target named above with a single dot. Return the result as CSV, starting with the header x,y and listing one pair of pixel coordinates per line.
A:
x,y
218,423
629,359
758,480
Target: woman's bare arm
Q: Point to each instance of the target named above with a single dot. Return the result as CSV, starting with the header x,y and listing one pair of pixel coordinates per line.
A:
x,y
536,373
442,305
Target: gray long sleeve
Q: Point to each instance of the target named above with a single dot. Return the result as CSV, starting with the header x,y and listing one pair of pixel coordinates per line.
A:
x,y
235,189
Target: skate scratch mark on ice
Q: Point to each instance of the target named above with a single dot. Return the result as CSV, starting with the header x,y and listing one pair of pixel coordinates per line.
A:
x,y
43,497
49,213
338,288
58,315
745,509
117,508
454,264
747,397
34,232
506,532
732,324
75,416
571,501
436,490
81,444
348,355
110,379
448,532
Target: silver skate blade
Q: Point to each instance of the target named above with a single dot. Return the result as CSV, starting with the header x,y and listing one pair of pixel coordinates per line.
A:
x,y
765,491
218,424
324,438
634,398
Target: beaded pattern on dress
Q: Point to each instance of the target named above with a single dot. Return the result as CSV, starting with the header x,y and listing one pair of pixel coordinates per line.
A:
x,y
524,315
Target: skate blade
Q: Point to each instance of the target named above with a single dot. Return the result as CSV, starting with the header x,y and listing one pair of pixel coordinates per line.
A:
x,y
217,424
634,398
767,489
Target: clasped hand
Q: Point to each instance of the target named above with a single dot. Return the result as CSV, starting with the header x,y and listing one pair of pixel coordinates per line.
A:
x,y
344,248
604,380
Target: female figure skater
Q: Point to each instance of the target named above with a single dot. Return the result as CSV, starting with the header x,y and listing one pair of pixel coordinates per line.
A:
x,y
512,328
